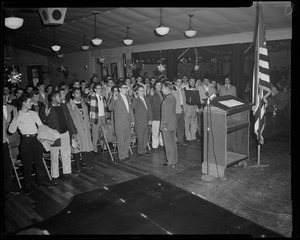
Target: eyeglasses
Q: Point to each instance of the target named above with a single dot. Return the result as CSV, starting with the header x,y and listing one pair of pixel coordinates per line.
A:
x,y
125,87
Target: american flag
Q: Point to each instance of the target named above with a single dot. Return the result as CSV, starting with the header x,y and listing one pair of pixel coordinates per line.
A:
x,y
261,79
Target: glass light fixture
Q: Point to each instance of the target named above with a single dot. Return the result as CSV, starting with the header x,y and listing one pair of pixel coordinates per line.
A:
x,y
55,47
13,22
161,29
127,41
190,32
96,41
84,46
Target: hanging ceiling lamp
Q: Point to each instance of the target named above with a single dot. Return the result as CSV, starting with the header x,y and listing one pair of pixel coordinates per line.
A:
x,y
13,22
55,47
127,41
96,41
84,46
161,29
190,32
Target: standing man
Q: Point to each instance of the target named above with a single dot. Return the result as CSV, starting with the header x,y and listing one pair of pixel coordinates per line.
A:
x,y
156,98
168,125
227,88
31,148
43,96
97,114
76,84
143,118
206,90
57,117
192,102
80,116
124,120
178,92
15,102
185,82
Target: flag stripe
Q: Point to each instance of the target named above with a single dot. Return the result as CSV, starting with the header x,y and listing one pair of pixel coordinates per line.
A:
x,y
261,78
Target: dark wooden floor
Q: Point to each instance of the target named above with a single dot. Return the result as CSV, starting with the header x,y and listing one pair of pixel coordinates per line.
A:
x,y
22,211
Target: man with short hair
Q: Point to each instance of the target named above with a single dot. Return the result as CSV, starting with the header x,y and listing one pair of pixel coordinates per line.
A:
x,y
57,116
75,84
192,103
109,84
31,148
206,90
80,116
29,88
63,94
15,102
43,96
97,114
185,82
36,105
124,120
227,88
143,118
178,92
156,98
168,125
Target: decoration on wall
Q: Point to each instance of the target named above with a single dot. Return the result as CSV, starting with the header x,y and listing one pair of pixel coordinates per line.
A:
x,y
100,60
14,77
85,65
64,70
183,60
161,67
214,60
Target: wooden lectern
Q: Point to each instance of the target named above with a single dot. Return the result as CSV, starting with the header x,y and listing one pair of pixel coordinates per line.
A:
x,y
228,134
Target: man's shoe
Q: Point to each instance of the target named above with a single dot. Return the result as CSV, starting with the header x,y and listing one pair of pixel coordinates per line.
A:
x,y
155,149
140,155
165,164
147,153
96,153
55,181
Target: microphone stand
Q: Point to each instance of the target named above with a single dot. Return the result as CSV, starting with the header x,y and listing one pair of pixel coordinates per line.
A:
x,y
206,177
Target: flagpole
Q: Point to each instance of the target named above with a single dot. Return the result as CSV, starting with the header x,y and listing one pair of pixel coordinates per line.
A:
x,y
259,88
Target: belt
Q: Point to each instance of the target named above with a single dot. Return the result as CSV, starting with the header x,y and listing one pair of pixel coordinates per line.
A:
x,y
29,135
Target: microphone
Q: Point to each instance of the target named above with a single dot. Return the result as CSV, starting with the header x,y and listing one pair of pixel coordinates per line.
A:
x,y
212,96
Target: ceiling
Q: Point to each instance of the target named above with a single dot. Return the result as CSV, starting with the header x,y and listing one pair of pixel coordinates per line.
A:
x,y
112,22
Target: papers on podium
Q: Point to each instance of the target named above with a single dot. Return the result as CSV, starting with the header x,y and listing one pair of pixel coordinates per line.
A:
x,y
231,103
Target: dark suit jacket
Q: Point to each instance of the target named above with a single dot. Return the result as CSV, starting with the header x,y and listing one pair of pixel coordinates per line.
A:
x,y
168,113
52,120
141,113
41,99
123,119
155,106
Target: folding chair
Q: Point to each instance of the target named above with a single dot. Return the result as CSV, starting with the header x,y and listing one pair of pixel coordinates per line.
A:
x,y
149,138
113,142
19,175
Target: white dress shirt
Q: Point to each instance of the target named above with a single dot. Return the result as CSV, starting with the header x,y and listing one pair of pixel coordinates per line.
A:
x,y
143,99
125,100
101,112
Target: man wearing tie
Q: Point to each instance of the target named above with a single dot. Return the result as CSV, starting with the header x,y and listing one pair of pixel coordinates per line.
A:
x,y
97,114
169,124
227,88
124,120
143,118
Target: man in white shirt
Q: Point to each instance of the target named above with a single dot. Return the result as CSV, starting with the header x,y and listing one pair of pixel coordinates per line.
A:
x,y
97,114
227,88
206,90
124,120
31,149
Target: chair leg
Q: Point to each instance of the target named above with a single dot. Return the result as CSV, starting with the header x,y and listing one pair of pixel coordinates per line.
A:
x,y
108,148
47,170
15,170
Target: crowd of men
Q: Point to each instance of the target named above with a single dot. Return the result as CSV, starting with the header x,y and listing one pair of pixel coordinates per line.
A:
x,y
168,110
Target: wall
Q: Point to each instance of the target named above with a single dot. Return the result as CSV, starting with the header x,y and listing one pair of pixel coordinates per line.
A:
x,y
78,66
75,62
23,59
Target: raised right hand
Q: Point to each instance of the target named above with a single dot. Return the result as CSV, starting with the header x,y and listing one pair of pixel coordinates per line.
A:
x,y
47,110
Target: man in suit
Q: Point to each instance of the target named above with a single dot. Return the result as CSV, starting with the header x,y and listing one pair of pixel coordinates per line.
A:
x,y
43,96
227,88
180,106
124,120
169,124
143,118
